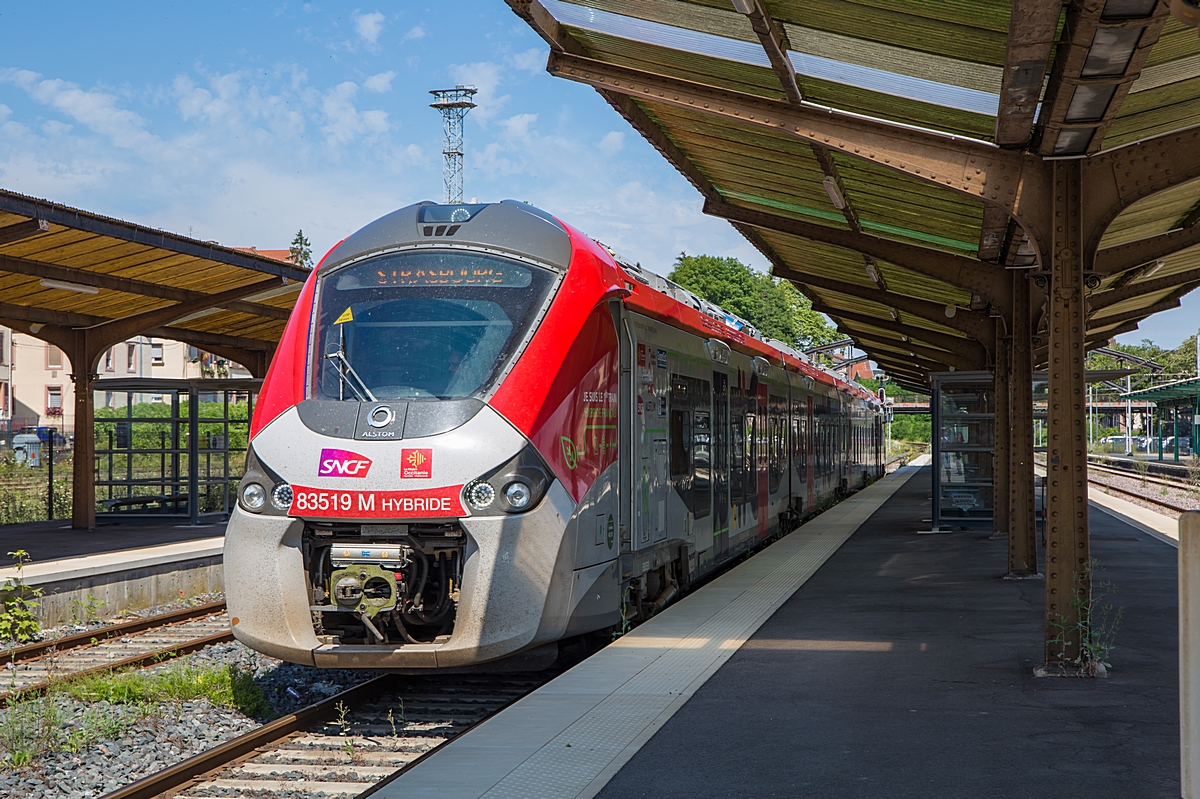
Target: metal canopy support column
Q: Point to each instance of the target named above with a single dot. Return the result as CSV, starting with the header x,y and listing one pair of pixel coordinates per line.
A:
x,y
1002,452
1068,577
1022,530
83,485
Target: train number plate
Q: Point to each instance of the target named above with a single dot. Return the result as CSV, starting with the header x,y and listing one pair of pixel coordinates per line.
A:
x,y
426,503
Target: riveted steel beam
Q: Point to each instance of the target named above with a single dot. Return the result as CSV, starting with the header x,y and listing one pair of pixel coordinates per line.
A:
x,y
1073,68
1002,432
969,348
775,43
86,277
960,271
897,348
1022,529
1116,179
1137,314
1183,280
1111,260
1015,181
23,230
1031,30
973,323
1068,571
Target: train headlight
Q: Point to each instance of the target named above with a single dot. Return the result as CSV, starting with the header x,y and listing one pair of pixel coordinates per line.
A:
x,y
480,495
254,496
281,497
518,495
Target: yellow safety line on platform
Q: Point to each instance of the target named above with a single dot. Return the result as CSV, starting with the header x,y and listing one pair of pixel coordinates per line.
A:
x,y
569,738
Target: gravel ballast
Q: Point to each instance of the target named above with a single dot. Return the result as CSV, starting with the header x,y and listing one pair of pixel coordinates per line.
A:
x,y
161,734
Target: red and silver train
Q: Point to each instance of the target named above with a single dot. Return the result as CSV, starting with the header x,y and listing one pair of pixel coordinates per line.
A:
x,y
482,434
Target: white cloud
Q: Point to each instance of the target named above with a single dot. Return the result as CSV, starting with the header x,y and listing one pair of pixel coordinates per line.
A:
x,y
414,33
369,26
485,76
97,110
532,60
343,121
612,143
380,83
517,127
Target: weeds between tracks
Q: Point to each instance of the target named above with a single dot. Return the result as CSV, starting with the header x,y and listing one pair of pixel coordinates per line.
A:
x,y
112,702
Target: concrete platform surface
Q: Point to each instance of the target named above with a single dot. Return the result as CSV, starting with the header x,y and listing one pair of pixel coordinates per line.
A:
x,y
903,668
56,540
572,735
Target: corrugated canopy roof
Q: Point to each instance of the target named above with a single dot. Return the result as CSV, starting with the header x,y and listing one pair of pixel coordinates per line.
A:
x,y
68,269
1187,389
1008,72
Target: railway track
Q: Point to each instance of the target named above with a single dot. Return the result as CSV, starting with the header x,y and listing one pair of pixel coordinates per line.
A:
x,y
141,642
346,745
1143,495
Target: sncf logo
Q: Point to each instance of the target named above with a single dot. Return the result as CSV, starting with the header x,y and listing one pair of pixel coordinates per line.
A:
x,y
343,463
416,464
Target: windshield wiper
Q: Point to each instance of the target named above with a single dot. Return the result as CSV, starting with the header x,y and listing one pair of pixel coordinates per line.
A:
x,y
337,356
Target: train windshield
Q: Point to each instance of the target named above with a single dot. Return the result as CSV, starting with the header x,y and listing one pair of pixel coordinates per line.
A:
x,y
423,324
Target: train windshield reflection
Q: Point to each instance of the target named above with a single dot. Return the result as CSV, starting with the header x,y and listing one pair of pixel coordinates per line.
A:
x,y
426,324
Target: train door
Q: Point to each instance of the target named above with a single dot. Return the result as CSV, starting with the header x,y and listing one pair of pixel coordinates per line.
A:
x,y
809,451
762,464
658,492
720,463
626,425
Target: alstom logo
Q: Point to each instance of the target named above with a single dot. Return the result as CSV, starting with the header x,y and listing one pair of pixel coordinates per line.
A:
x,y
343,463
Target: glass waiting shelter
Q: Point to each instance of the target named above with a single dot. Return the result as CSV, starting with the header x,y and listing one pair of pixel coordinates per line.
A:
x,y
963,415
170,449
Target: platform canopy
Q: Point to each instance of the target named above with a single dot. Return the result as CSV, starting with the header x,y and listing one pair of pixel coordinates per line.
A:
x,y
1188,389
63,270
763,104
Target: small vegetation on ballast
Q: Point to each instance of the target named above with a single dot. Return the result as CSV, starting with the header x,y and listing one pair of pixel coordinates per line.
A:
x,y
76,713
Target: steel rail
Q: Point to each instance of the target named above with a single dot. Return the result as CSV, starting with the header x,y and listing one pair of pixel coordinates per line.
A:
x,y
141,659
1156,480
221,755
1142,497
89,638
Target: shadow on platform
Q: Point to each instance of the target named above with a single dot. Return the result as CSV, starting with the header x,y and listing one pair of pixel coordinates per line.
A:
x,y
904,668
56,540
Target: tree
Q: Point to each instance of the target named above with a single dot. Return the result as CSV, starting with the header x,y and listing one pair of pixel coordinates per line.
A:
x,y
300,253
773,306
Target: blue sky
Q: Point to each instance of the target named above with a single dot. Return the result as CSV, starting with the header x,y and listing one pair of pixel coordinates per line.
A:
x,y
242,122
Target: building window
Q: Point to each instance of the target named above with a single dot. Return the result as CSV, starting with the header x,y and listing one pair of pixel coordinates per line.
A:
x,y
131,357
54,405
53,357
3,350
156,354
4,400
109,366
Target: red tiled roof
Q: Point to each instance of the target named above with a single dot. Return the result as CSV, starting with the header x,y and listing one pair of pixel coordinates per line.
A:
x,y
278,255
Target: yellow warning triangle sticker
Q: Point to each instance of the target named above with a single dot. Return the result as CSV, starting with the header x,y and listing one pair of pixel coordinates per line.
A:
x,y
345,317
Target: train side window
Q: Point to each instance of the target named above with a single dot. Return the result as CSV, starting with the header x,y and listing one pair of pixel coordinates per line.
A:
x,y
775,453
701,465
751,461
680,437
737,458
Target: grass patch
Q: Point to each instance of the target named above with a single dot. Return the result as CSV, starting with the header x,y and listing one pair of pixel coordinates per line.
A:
x,y
33,725
224,687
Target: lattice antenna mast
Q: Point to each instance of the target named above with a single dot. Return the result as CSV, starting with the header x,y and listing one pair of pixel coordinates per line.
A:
x,y
454,105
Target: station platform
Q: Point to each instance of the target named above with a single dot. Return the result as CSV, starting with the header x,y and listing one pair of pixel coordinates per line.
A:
x,y
853,658
45,541
114,568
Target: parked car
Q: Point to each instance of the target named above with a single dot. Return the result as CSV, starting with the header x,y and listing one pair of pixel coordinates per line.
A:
x,y
43,433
